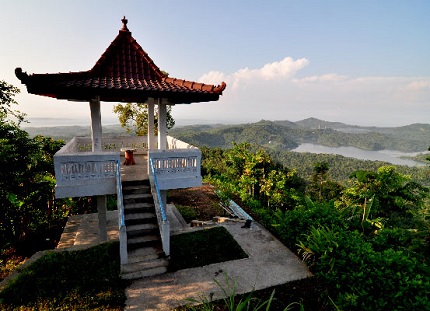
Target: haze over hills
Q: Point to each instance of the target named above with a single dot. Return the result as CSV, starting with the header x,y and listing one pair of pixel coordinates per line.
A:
x,y
277,135
287,135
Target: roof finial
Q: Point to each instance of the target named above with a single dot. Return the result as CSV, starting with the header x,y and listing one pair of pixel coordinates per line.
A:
x,y
124,24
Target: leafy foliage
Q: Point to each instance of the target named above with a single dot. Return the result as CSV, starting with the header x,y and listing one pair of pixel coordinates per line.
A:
x,y
52,282
284,135
366,240
30,217
26,177
203,247
134,117
250,173
364,279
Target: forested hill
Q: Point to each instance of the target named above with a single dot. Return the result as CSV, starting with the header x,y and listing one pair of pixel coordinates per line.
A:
x,y
287,135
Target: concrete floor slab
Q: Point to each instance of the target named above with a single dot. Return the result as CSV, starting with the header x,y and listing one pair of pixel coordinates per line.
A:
x,y
269,264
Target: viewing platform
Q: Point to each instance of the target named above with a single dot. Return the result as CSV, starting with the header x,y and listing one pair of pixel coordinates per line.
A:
x,y
96,166
138,171
81,172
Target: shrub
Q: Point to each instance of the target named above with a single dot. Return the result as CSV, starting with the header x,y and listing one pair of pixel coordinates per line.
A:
x,y
289,226
359,278
187,212
203,247
76,280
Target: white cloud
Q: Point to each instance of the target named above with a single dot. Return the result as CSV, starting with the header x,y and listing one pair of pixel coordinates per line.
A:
x,y
280,91
275,92
325,77
213,77
419,85
283,69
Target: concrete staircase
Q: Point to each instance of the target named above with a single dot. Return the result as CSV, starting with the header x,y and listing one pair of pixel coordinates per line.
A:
x,y
145,254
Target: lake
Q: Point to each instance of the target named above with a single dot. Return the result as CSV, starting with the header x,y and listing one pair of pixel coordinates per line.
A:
x,y
391,156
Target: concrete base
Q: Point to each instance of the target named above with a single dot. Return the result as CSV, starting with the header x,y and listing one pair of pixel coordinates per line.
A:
x,y
82,231
269,264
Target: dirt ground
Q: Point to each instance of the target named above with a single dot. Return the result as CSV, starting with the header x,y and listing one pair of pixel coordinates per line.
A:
x,y
203,199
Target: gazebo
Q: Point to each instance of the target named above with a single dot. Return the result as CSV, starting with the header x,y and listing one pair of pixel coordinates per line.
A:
x,y
91,167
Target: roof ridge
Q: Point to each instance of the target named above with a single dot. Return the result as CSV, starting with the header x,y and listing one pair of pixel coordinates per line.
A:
x,y
125,73
124,57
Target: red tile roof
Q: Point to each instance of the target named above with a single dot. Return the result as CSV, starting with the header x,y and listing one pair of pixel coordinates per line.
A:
x,y
124,73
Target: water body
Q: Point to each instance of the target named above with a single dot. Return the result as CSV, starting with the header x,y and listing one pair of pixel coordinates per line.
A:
x,y
390,156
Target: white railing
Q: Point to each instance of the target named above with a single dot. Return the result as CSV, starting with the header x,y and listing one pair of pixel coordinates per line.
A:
x,y
173,143
121,218
177,167
85,174
80,172
163,223
109,144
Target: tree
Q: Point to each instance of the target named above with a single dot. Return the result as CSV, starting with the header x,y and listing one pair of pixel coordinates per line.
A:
x,y
7,93
391,194
134,117
26,174
321,187
282,187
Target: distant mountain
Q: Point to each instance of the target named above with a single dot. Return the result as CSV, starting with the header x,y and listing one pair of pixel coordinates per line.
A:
x,y
277,135
289,124
287,135
313,123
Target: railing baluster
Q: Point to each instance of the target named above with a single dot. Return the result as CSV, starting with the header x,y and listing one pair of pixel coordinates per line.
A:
x,y
121,217
163,223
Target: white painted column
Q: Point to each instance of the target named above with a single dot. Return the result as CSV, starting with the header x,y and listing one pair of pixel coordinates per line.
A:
x,y
162,135
151,128
96,138
163,194
96,125
162,126
101,213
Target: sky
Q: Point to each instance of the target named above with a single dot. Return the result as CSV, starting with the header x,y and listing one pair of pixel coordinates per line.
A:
x,y
361,62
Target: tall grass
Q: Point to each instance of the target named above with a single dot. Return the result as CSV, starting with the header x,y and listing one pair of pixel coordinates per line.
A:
x,y
76,280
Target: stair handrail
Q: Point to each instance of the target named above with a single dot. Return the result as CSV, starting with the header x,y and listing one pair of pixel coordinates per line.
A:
x,y
163,223
121,216
120,198
162,210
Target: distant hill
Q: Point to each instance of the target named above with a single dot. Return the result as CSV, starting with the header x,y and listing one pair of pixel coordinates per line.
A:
x,y
277,135
287,135
313,123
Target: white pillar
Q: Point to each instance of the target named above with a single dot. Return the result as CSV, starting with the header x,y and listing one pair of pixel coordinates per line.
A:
x,y
101,213
162,125
151,129
96,137
96,124
163,194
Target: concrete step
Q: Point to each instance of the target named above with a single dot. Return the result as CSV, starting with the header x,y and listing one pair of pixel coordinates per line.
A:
x,y
138,198
144,265
145,253
134,183
138,274
142,227
140,218
136,189
133,208
141,230
148,240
